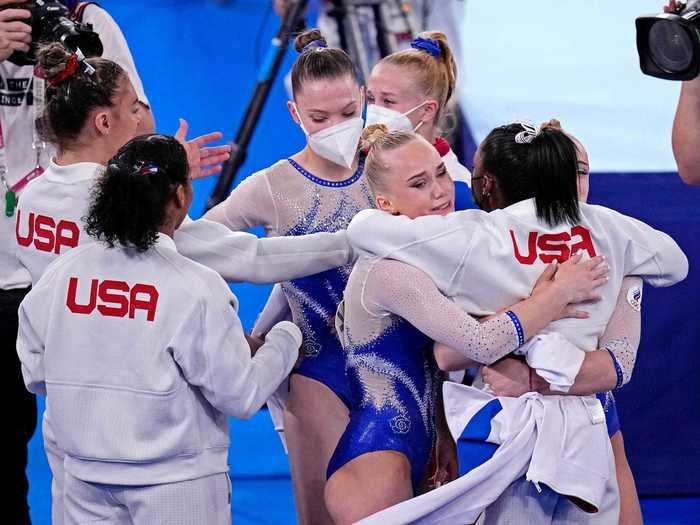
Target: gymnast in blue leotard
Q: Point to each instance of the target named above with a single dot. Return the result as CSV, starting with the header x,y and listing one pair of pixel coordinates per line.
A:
x,y
318,189
390,316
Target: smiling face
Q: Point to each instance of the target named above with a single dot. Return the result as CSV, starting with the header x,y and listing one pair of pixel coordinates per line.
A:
x,y
326,102
415,182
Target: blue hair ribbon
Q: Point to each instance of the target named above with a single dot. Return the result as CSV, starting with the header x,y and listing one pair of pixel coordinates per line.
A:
x,y
312,45
427,45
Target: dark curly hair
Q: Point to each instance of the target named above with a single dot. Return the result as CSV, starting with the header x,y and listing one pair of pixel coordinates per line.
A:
x,y
544,169
69,103
128,201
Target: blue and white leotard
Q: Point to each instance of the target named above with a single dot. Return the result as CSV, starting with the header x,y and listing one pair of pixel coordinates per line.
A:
x,y
288,200
390,316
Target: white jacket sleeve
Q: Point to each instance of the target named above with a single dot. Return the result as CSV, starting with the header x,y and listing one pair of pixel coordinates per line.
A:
x,y
239,256
276,309
651,254
31,337
379,233
215,357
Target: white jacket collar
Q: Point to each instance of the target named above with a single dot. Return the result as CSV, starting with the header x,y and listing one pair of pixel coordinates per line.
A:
x,y
164,241
72,173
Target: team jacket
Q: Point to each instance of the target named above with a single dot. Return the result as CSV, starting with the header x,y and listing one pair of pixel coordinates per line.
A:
x,y
143,357
48,223
487,261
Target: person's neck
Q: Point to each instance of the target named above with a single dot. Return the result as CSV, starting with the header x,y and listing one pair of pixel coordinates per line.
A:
x,y
92,153
167,229
323,168
428,132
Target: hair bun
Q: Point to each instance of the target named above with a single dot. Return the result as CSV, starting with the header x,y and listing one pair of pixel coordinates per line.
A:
x,y
307,37
371,135
53,59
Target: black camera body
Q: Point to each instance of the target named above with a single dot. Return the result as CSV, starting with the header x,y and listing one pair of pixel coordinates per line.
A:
x,y
51,21
669,43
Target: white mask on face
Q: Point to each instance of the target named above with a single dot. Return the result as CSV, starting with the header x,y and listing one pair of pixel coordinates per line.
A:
x,y
391,118
337,143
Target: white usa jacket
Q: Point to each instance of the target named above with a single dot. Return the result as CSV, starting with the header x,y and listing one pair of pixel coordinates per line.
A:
x,y
143,357
486,261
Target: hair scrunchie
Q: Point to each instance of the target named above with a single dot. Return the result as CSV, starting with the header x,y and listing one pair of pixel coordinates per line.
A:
x,y
313,45
427,45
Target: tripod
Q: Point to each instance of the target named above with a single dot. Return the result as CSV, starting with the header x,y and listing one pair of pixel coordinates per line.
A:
x,y
345,13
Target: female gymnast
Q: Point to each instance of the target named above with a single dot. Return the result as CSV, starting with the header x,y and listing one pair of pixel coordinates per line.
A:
x,y
318,189
141,354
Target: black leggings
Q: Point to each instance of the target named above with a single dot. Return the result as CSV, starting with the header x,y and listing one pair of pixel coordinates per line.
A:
x,y
22,412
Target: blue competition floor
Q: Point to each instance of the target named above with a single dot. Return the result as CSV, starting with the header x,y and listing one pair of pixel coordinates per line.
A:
x,y
262,490
198,60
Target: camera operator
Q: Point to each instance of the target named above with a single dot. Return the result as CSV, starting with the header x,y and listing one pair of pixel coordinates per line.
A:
x,y
686,125
23,157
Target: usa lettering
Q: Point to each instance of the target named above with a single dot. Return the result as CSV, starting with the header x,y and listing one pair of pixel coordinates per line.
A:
x,y
548,247
46,234
113,298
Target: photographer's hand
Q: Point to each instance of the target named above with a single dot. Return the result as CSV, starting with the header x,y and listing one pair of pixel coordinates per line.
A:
x,y
14,34
203,161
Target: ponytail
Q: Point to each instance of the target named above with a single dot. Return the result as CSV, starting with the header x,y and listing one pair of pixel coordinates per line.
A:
x,y
531,162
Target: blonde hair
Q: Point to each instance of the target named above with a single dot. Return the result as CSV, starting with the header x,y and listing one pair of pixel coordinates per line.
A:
x,y
436,76
376,141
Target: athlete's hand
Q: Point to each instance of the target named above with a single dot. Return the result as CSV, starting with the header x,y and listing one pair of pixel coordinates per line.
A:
x,y
509,377
203,161
15,34
580,279
447,466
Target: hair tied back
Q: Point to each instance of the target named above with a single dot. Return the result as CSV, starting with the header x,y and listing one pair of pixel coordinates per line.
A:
x,y
427,45
529,133
314,44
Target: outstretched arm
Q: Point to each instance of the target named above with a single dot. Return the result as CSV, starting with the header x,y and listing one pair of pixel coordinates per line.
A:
x,y
403,290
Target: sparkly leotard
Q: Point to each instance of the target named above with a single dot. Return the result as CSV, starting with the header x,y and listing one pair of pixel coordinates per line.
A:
x,y
288,200
390,316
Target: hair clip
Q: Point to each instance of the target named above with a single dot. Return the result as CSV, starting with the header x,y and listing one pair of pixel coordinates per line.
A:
x,y
81,58
147,169
530,131
428,45
318,43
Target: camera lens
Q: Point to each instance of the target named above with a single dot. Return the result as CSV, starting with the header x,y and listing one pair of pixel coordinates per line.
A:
x,y
670,46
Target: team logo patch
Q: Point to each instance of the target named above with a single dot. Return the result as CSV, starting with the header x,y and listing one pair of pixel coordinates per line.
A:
x,y
634,298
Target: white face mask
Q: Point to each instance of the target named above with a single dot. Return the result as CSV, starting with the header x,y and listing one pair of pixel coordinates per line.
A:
x,y
391,118
337,143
